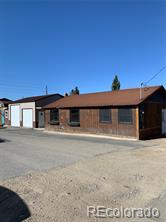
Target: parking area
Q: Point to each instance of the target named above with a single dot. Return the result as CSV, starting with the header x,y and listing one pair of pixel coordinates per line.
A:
x,y
25,150
52,177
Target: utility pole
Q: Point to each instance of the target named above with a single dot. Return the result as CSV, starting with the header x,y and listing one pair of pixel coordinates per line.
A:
x,y
46,90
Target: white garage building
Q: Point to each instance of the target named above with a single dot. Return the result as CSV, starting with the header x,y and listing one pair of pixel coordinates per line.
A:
x,y
23,114
28,112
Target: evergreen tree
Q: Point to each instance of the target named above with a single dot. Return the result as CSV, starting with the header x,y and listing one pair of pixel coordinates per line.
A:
x,y
75,91
115,83
72,92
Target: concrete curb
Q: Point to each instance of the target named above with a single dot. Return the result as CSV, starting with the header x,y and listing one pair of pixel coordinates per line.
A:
x,y
90,135
39,129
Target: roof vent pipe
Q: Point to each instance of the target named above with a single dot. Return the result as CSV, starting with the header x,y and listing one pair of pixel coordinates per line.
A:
x,y
141,96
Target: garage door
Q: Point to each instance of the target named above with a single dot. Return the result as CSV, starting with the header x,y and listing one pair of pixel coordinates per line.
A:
x,y
15,116
27,118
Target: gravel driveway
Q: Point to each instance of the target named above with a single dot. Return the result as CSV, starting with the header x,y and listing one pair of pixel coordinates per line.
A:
x,y
24,150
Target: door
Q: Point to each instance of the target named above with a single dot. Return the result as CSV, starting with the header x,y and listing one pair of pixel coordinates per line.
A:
x,y
27,118
15,116
164,121
41,119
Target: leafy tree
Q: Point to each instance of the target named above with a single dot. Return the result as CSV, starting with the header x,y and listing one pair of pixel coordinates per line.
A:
x,y
75,91
115,83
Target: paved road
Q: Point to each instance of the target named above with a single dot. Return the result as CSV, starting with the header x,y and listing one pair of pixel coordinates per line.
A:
x,y
25,150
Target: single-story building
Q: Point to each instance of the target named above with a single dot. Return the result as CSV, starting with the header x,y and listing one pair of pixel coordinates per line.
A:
x,y
4,102
28,112
138,113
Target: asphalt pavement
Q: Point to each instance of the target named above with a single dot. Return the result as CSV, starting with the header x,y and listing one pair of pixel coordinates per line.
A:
x,y
26,150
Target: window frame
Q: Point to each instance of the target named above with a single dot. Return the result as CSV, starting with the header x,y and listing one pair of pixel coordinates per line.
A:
x,y
54,121
110,115
74,123
6,114
125,122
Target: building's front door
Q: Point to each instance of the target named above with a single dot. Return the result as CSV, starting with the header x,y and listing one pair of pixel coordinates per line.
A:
x,y
164,121
41,119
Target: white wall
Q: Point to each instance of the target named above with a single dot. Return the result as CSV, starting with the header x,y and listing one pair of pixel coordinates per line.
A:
x,y
23,106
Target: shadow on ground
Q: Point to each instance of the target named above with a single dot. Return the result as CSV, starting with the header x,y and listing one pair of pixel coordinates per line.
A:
x,y
12,207
3,140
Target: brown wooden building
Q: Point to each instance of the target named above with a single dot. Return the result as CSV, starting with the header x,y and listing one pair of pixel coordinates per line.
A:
x,y
137,113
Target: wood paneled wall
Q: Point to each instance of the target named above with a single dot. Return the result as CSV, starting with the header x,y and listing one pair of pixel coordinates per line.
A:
x,y
89,122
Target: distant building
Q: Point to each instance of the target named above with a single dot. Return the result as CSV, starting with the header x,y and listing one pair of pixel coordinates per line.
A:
x,y
4,111
28,112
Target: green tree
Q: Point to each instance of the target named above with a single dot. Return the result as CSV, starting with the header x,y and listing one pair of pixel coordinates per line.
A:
x,y
75,91
115,83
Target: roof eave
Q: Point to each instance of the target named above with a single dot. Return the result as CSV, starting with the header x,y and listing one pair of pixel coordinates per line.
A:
x,y
90,106
147,97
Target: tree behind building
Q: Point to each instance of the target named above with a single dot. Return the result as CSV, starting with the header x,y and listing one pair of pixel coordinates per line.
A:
x,y
115,84
75,91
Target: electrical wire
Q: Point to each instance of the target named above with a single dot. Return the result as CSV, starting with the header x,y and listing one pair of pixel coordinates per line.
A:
x,y
155,75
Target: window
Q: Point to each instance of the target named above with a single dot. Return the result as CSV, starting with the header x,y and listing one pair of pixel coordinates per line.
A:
x,y
105,115
74,117
6,114
54,116
125,116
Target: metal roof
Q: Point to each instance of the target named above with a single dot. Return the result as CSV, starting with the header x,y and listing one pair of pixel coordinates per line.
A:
x,y
124,97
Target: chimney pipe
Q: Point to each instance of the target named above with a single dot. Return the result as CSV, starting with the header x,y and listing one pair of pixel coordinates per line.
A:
x,y
141,96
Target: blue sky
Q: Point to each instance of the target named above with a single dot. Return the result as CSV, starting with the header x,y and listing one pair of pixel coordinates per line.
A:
x,y
64,44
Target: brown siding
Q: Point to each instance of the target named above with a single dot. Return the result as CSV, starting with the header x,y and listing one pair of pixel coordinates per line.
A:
x,y
6,121
9,123
152,121
89,122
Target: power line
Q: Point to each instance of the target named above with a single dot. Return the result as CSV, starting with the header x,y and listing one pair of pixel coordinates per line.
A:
x,y
24,84
22,87
155,75
17,85
21,90
17,88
